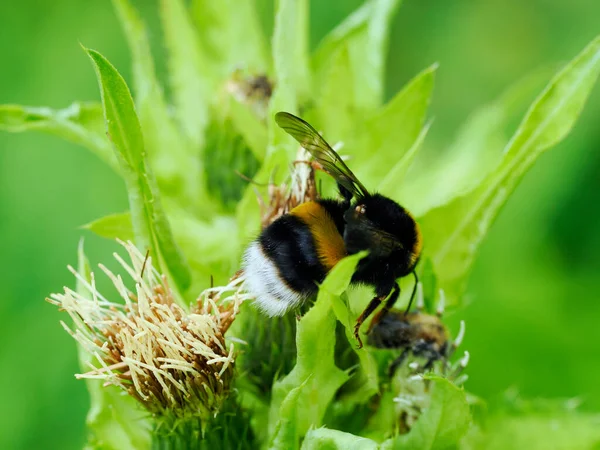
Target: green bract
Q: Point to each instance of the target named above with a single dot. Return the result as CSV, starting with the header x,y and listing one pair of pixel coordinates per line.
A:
x,y
303,384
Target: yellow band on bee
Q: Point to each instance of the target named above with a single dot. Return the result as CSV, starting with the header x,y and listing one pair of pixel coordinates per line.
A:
x,y
328,241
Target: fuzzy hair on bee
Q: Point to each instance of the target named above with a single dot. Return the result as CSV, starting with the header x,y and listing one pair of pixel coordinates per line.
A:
x,y
420,334
293,254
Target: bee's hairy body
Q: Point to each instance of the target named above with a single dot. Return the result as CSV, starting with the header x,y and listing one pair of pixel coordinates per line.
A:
x,y
292,255
423,335
396,329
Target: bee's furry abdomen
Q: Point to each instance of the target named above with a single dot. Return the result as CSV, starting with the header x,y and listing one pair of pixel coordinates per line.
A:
x,y
282,266
392,331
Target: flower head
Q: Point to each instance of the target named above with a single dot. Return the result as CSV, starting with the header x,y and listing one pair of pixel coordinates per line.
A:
x,y
299,188
174,362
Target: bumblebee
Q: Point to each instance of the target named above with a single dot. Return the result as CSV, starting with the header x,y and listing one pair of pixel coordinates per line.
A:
x,y
284,265
423,335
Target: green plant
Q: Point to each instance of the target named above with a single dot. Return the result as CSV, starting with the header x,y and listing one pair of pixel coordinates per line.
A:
x,y
194,217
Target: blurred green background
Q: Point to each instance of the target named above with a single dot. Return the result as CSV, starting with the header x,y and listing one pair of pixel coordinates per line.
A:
x,y
533,311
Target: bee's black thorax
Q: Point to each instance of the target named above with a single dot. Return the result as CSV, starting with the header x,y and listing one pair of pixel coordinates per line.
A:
x,y
391,236
385,230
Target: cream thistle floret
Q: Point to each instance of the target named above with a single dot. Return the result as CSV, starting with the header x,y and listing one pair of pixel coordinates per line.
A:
x,y
175,363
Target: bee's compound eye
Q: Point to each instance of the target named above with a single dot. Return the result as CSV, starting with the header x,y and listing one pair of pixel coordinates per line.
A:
x,y
360,209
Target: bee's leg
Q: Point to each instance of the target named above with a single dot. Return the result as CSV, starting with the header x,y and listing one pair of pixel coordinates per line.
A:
x,y
429,364
372,306
387,306
397,362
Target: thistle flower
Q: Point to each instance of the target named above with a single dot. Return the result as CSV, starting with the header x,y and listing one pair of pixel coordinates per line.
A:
x,y
299,188
175,363
412,387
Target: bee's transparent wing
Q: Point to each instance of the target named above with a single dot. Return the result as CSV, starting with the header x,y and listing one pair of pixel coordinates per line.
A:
x,y
314,143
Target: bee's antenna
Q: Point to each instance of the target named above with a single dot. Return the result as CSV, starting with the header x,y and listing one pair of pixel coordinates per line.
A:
x,y
412,296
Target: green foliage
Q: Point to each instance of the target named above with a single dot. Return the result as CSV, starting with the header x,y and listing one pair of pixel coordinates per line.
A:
x,y
442,425
535,424
226,158
190,69
312,383
191,210
114,226
390,142
467,218
271,350
231,35
365,34
324,439
289,54
81,123
150,223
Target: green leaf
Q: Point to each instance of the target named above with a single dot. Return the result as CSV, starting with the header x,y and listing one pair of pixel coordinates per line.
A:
x,y
559,431
324,439
290,46
396,176
274,169
113,226
366,33
227,156
80,123
253,130
465,220
315,366
217,257
192,72
364,381
475,152
429,283
286,434
211,247
392,132
150,224
442,424
166,148
290,43
271,350
335,104
231,33
115,420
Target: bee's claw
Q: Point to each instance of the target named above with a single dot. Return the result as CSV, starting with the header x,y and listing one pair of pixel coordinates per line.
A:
x,y
357,336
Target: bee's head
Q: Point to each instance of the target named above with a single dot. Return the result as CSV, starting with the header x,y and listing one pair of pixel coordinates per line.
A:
x,y
369,216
